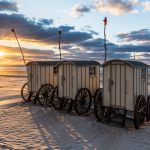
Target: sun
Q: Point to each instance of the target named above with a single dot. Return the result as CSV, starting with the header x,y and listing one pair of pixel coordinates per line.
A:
x,y
2,54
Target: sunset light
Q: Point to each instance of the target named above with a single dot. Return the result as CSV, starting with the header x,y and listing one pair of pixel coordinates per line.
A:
x,y
2,54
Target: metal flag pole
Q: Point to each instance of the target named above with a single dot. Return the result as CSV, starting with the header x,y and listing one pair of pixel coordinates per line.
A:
x,y
134,55
105,23
13,30
59,32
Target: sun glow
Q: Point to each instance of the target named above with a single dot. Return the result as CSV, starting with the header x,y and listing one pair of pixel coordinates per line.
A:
x,y
2,54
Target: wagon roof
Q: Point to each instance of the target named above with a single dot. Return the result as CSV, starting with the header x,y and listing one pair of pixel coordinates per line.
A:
x,y
129,62
43,62
81,63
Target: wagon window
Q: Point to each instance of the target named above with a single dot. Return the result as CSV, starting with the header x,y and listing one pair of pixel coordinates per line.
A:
x,y
55,70
92,71
143,73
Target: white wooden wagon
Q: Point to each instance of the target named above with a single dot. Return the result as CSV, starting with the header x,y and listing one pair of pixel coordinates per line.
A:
x,y
125,88
42,79
77,83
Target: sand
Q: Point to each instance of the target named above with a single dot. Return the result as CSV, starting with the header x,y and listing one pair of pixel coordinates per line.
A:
x,y
28,126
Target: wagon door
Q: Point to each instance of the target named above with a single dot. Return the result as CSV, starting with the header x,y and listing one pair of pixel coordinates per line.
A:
x,y
117,84
67,81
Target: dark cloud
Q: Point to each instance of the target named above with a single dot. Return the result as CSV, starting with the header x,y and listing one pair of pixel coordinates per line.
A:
x,y
96,44
78,10
34,30
131,48
8,6
139,35
45,22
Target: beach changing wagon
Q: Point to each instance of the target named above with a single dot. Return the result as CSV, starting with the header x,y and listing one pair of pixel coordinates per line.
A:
x,y
77,83
42,79
125,89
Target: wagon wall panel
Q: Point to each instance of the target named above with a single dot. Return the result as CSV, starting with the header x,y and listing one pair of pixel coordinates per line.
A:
x,y
113,86
39,77
129,88
106,83
32,76
55,80
91,83
79,78
74,82
68,80
29,78
87,78
65,81
118,86
47,74
83,79
135,85
51,75
98,77
36,78
60,84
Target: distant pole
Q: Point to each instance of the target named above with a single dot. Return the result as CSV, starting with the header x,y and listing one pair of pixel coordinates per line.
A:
x,y
59,32
13,30
105,46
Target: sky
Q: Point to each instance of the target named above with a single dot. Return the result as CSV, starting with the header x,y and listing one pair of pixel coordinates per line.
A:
x,y
37,23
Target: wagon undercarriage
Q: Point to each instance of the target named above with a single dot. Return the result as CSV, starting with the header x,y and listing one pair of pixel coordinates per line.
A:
x,y
109,114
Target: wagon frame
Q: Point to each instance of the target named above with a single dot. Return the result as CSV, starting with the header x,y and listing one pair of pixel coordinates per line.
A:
x,y
77,83
131,79
42,80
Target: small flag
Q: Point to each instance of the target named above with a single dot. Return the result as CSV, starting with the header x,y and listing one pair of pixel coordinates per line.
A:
x,y
105,21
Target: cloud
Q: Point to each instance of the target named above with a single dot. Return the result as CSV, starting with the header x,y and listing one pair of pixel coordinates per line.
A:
x,y
116,7
35,30
8,6
142,35
45,22
146,5
79,10
131,48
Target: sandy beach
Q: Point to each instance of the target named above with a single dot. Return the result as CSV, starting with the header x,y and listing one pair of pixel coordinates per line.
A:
x,y
28,126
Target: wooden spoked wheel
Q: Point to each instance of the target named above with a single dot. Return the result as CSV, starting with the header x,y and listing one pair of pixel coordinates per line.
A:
x,y
99,90
98,105
33,97
139,111
56,101
25,92
83,101
45,94
148,108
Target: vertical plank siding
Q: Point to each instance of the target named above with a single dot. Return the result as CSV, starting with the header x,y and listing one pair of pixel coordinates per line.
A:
x,y
41,74
123,83
76,77
106,83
